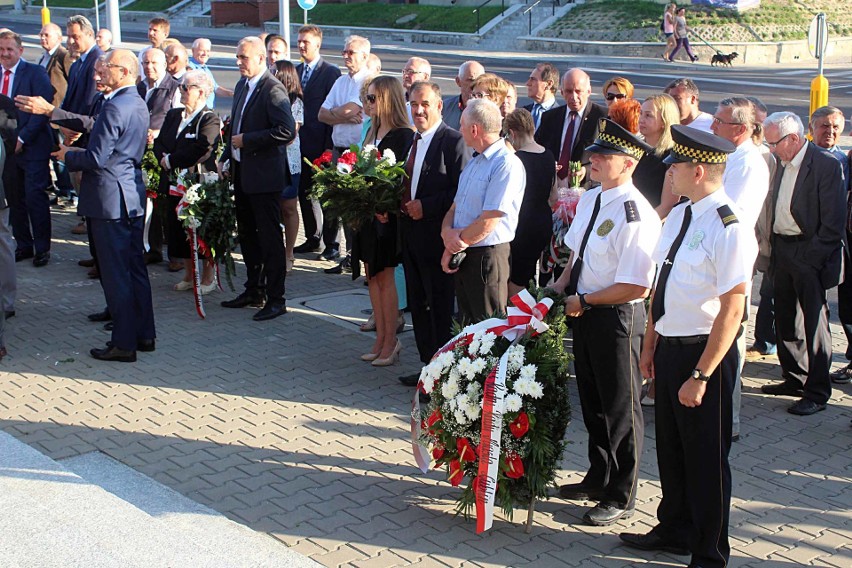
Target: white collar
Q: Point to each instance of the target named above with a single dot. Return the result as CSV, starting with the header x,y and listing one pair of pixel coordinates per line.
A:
x,y
115,92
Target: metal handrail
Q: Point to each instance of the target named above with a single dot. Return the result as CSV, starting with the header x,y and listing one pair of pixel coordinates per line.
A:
x,y
476,11
529,10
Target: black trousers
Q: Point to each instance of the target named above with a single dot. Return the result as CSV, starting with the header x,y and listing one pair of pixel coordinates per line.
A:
x,y
431,297
261,239
844,302
692,452
606,358
804,350
482,282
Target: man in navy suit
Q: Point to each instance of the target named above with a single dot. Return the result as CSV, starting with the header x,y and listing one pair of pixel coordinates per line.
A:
x,y
317,77
256,154
434,165
30,211
81,91
112,198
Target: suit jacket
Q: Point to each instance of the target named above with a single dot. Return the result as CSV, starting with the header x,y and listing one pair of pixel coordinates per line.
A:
x,y
267,127
160,101
78,122
32,80
315,136
195,144
81,83
818,206
58,67
436,188
452,111
111,163
549,133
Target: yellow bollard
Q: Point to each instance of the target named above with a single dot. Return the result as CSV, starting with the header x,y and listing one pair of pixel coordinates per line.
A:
x,y
819,93
45,14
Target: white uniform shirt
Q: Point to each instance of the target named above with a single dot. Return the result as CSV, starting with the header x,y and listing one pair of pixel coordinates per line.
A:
x,y
618,251
347,89
711,261
785,223
702,122
746,181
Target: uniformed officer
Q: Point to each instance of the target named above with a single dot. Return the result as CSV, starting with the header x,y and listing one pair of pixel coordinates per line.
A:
x,y
705,257
613,237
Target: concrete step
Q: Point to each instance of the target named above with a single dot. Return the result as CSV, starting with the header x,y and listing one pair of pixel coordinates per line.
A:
x,y
91,511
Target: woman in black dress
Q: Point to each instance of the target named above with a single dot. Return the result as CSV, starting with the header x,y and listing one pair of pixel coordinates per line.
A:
x,y
659,113
535,224
375,243
188,141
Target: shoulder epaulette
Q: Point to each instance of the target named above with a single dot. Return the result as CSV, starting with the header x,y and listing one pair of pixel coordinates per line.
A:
x,y
631,211
727,215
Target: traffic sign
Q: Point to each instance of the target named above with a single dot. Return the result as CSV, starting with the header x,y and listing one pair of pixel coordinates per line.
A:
x,y
306,4
817,36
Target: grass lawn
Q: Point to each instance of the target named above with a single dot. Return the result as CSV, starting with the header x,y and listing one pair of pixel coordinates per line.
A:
x,y
374,15
151,5
65,4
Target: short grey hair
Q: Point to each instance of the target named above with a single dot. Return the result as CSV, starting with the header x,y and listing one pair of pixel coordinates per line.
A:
x,y
742,109
84,23
362,42
825,111
786,123
200,79
197,43
420,64
255,42
484,113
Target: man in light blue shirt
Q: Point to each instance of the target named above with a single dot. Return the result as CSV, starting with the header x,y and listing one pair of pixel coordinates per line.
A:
x,y
200,55
482,220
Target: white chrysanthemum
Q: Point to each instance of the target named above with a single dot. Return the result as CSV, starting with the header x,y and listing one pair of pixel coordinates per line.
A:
x,y
460,416
454,374
474,391
367,148
191,196
472,410
389,157
535,389
528,372
478,366
444,360
210,177
428,379
474,343
512,403
450,389
522,387
516,358
486,343
465,367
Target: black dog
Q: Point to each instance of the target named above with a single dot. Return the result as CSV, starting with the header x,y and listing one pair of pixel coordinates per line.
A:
x,y
722,59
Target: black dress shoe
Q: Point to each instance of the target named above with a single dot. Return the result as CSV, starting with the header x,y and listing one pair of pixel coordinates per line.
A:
x,y
41,259
330,253
23,255
410,380
805,407
145,345
100,316
309,245
245,299
86,262
109,326
9,314
580,492
787,388
270,311
336,269
152,257
604,514
114,354
652,541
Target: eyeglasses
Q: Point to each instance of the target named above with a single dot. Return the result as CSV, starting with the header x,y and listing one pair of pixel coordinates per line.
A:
x,y
371,99
718,120
349,52
111,65
614,96
476,95
774,144
408,72
186,88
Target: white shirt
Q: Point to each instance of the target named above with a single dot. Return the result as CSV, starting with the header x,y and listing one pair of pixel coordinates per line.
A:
x,y
422,149
746,181
347,89
250,86
618,250
702,122
711,261
14,70
785,224
577,122
45,57
112,94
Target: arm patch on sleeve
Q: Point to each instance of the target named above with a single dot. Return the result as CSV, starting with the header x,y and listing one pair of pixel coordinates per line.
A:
x,y
631,211
727,215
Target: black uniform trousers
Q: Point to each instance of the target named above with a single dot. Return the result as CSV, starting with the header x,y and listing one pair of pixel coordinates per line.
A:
x,y
692,452
844,302
261,240
804,352
606,360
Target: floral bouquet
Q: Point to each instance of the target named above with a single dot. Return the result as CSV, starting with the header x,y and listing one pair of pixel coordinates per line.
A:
x,y
564,209
362,183
499,408
151,173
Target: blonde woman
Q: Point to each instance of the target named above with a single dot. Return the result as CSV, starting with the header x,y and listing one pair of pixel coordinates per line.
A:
x,y
668,30
659,113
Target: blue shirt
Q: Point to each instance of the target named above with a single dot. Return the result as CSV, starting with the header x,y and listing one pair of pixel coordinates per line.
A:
x,y
492,181
211,100
844,162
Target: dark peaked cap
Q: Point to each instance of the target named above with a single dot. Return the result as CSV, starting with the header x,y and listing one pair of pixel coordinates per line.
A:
x,y
698,147
612,138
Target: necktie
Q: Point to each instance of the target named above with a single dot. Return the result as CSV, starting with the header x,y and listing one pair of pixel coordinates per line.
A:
x,y
565,153
45,58
6,78
658,307
578,262
536,114
306,75
409,172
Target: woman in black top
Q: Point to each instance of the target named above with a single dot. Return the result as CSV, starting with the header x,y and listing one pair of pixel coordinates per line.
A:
x,y
535,226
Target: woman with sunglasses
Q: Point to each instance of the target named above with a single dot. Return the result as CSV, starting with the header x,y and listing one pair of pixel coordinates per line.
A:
x,y
286,73
617,89
187,142
375,242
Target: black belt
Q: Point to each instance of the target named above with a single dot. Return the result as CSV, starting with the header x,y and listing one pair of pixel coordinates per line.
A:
x,y
684,339
791,238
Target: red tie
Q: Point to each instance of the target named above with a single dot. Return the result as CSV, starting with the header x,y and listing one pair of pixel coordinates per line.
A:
x,y
6,75
409,173
565,154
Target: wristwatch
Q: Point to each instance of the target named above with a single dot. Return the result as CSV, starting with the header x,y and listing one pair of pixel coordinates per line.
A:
x,y
583,303
699,376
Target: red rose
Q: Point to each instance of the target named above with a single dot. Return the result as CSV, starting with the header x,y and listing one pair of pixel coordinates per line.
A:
x,y
520,425
456,474
348,158
514,466
466,451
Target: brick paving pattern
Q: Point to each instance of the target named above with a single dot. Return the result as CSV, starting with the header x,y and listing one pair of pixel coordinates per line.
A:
x,y
278,425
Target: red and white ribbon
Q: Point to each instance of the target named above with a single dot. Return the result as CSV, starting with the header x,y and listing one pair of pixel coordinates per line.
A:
x,y
179,190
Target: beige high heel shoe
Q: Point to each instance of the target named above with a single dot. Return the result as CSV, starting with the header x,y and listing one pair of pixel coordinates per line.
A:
x,y
370,356
391,359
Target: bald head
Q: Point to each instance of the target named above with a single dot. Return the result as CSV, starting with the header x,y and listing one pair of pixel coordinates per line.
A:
x,y
176,59
121,68
50,36
576,89
469,71
104,39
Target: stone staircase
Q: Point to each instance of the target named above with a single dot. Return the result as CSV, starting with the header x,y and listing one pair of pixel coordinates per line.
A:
x,y
179,13
502,36
92,511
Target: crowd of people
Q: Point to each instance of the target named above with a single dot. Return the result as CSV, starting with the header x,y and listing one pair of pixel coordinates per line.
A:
x,y
679,209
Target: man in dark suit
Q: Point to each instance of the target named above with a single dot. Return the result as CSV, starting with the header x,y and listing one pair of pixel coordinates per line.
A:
x,y
112,198
57,61
81,82
808,232
318,77
541,88
256,158
568,129
31,158
433,166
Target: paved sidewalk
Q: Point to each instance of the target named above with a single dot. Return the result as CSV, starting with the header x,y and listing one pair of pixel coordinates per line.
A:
x,y
280,426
